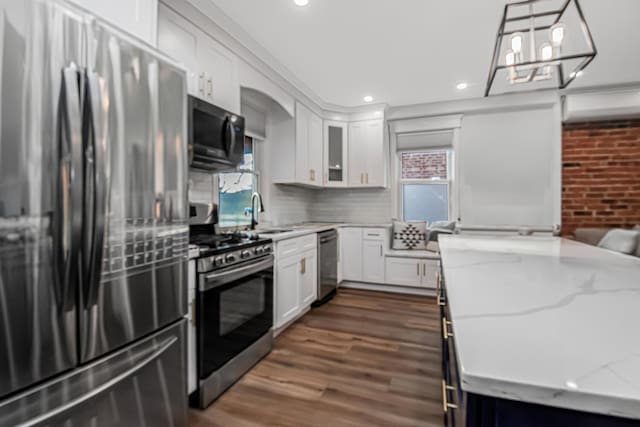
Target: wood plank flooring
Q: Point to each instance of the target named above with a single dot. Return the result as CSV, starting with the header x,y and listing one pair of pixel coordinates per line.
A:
x,y
364,359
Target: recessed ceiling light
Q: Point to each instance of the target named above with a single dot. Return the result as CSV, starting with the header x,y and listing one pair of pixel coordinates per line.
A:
x,y
462,86
368,98
301,2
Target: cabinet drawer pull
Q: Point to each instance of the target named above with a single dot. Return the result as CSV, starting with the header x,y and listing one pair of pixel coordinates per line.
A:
x,y
445,329
445,402
440,301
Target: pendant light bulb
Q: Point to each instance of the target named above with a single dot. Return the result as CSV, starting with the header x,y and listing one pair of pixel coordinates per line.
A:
x,y
510,58
546,52
557,34
516,42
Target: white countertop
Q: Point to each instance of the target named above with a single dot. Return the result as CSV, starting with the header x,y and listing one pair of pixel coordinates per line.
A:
x,y
546,320
304,229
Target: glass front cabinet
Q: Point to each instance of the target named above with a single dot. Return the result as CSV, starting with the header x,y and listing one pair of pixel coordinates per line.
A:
x,y
335,154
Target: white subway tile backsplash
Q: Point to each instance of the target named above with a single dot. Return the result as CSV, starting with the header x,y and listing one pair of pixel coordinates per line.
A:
x,y
351,205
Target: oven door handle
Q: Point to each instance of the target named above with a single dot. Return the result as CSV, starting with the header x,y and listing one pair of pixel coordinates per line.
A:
x,y
213,280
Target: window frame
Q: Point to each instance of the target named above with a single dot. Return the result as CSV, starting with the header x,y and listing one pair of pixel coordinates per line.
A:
x,y
216,187
401,182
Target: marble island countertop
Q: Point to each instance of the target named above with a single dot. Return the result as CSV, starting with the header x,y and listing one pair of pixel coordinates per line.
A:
x,y
545,320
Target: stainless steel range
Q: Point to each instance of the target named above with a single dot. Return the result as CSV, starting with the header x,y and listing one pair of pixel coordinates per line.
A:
x,y
234,308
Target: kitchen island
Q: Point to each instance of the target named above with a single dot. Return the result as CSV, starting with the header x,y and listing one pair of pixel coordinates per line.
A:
x,y
539,331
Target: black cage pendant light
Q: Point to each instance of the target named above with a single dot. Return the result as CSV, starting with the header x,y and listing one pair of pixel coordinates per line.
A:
x,y
540,44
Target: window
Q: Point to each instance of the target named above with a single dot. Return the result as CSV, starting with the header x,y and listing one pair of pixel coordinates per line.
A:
x,y
235,190
424,185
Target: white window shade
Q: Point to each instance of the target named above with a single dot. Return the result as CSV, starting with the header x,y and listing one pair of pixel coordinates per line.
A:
x,y
510,168
424,141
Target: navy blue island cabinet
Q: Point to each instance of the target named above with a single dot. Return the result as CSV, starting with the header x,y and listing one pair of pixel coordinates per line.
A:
x,y
463,409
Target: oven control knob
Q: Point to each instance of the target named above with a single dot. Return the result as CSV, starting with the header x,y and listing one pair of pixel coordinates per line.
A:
x,y
218,261
259,250
267,249
245,254
230,258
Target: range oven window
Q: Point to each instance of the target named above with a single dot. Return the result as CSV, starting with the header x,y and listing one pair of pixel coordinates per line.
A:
x,y
240,304
233,315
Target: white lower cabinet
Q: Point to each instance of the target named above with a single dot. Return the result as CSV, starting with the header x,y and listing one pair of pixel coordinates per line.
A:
x,y
373,261
413,272
309,278
287,289
351,243
296,277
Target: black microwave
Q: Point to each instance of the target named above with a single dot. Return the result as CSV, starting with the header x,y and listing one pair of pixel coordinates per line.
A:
x,y
216,137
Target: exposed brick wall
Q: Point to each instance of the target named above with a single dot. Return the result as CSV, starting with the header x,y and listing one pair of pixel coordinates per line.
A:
x,y
600,174
424,165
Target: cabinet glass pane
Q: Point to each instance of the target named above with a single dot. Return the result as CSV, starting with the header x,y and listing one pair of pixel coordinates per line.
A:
x,y
335,154
425,202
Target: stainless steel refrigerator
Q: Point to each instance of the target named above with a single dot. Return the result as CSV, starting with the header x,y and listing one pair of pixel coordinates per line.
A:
x,y
93,223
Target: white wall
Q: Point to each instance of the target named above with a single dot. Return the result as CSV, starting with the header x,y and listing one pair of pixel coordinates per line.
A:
x,y
510,168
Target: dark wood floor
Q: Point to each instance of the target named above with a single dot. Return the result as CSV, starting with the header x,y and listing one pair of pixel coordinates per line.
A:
x,y
364,359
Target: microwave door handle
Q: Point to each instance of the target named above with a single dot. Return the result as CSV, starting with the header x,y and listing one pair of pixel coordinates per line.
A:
x,y
230,136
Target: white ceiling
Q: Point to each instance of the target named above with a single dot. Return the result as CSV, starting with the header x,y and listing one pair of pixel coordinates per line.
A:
x,y
415,51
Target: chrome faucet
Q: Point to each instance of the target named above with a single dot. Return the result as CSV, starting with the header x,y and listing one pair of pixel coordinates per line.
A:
x,y
255,196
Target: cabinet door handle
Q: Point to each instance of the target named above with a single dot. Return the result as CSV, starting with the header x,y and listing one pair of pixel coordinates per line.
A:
x,y
303,265
445,402
445,329
210,86
366,178
424,269
417,269
380,250
201,84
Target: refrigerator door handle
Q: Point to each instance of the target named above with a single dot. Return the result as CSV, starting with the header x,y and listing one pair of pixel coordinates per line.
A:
x,y
68,215
96,196
104,387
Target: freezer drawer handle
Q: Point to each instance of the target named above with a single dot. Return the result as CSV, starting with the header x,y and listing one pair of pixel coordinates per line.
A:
x,y
445,402
106,386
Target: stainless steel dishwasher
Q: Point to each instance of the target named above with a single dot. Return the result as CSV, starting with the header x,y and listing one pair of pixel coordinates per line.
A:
x,y
327,266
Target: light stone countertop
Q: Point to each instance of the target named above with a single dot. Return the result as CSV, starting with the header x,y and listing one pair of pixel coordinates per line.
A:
x,y
300,230
545,320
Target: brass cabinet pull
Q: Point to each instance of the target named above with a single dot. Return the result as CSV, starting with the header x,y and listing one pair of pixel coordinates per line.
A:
x,y
361,178
445,403
210,86
445,330
418,269
440,301
303,265
310,175
366,178
380,250
424,269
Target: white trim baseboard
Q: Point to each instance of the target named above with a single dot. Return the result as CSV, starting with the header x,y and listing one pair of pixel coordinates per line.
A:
x,y
389,288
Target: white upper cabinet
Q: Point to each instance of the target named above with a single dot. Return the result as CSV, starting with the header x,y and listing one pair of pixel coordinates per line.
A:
x,y
308,147
335,154
366,158
138,17
212,68
178,38
218,74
